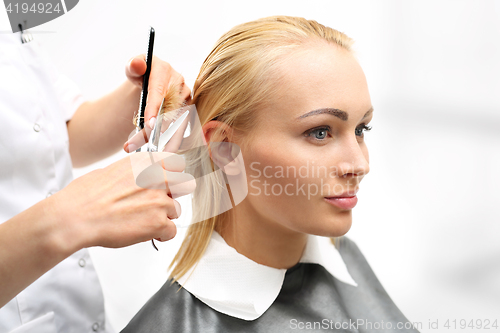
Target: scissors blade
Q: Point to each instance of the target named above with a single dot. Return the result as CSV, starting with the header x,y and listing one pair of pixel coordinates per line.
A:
x,y
155,133
169,133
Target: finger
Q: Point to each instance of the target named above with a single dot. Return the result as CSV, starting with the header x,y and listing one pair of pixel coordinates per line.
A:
x,y
185,93
137,140
170,161
183,189
180,184
173,210
136,68
148,168
159,81
167,232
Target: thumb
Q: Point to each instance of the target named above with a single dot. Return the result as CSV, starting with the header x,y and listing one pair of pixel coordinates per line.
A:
x,y
136,68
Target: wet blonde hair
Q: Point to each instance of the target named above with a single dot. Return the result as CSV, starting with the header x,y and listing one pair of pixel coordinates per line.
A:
x,y
234,81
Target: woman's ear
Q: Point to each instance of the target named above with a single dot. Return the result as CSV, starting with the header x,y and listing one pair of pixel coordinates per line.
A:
x,y
216,131
222,150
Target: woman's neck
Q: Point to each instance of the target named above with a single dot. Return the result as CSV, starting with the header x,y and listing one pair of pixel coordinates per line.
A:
x,y
263,241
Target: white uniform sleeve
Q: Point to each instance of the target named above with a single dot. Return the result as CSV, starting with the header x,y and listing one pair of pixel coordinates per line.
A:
x,y
69,95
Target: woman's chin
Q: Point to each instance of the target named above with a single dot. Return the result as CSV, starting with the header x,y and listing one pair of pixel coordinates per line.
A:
x,y
334,227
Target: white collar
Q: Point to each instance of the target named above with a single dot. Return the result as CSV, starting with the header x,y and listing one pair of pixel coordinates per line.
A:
x,y
233,284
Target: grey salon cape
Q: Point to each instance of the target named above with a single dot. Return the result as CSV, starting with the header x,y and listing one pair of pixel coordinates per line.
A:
x,y
310,300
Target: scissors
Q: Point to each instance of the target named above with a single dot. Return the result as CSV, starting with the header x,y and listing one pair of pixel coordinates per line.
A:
x,y
158,141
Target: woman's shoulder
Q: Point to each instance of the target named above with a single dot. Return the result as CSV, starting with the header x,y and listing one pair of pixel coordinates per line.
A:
x,y
350,252
358,266
369,299
356,263
174,309
165,311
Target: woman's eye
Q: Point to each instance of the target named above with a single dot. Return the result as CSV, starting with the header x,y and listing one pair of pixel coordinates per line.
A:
x,y
360,129
318,134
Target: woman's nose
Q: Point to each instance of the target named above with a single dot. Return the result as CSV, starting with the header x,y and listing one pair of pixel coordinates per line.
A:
x,y
353,159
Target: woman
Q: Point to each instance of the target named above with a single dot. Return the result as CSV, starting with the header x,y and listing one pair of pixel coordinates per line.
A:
x,y
292,96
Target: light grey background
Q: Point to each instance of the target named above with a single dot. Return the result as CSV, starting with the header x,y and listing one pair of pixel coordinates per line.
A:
x,y
427,218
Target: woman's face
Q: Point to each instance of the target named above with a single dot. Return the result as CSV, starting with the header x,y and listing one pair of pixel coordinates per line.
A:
x,y
309,145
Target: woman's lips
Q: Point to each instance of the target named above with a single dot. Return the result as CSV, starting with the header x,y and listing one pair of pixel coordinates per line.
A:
x,y
343,202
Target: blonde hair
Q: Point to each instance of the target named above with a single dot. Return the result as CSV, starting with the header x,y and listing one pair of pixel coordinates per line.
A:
x,y
234,80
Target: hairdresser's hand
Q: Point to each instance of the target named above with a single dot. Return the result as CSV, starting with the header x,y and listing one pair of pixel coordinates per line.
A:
x,y
140,138
107,208
161,78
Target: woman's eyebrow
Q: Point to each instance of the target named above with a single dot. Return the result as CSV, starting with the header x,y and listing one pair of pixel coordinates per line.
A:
x,y
342,115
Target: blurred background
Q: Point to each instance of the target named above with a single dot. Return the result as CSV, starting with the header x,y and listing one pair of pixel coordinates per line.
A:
x,y
427,218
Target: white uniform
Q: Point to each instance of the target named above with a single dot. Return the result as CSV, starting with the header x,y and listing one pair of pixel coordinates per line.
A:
x,y
35,103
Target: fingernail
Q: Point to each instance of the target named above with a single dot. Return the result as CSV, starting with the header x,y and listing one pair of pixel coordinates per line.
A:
x,y
152,122
177,208
131,147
